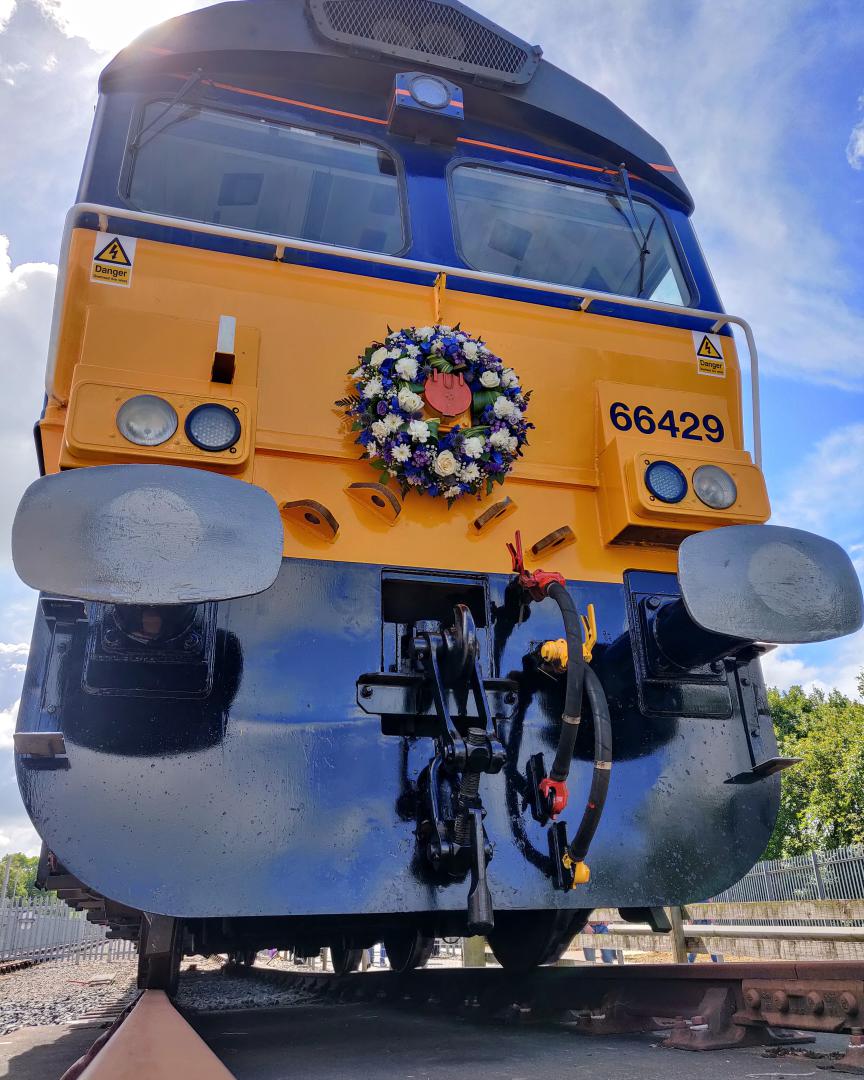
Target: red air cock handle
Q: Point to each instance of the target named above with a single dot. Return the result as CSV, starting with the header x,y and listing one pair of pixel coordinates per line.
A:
x,y
536,583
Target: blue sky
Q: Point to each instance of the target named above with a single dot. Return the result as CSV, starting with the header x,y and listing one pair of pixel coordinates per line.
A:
x,y
761,108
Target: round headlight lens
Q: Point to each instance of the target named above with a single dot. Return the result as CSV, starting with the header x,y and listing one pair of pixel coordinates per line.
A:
x,y
146,420
715,487
665,481
212,427
430,92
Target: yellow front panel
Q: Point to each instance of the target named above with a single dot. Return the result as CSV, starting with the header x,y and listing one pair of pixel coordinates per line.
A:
x,y
299,329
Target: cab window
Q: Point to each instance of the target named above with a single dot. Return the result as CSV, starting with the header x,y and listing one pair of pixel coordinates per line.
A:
x,y
526,226
250,173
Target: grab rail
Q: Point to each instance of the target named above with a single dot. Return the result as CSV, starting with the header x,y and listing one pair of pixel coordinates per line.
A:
x,y
281,243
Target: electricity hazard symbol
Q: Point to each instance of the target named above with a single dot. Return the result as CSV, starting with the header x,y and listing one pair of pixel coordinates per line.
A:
x,y
709,354
113,259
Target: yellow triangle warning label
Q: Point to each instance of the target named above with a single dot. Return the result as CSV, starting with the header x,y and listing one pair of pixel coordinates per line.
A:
x,y
113,259
113,252
708,349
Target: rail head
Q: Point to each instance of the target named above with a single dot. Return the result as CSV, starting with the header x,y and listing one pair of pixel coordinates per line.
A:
x,y
587,297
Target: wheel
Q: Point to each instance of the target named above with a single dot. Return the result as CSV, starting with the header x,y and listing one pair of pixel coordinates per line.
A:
x,y
160,970
407,950
523,940
242,957
343,957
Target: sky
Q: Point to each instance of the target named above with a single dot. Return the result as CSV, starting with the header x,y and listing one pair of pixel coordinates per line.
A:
x,y
761,107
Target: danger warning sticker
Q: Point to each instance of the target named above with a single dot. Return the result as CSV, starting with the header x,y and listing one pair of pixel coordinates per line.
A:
x,y
709,354
113,259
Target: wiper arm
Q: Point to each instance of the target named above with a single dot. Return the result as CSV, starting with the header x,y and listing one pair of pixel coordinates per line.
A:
x,y
139,140
639,235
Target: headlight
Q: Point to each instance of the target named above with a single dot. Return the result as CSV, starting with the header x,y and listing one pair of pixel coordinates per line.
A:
x,y
212,427
715,487
146,420
665,481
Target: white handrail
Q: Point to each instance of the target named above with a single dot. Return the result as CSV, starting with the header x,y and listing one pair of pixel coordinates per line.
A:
x,y
588,296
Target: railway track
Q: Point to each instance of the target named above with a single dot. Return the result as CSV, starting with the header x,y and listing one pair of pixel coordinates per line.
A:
x,y
371,1014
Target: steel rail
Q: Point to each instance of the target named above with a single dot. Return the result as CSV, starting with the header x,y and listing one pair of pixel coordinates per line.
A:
x,y
587,297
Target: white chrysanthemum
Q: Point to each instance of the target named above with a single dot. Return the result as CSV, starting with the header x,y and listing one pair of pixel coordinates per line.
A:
x,y
445,464
452,492
499,439
413,350
425,332
406,368
374,388
469,350
489,379
469,473
418,430
392,423
379,430
358,373
409,401
473,446
401,453
378,357
509,378
503,407
512,444
443,328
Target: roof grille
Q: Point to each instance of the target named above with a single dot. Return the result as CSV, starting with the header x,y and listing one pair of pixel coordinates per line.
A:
x,y
444,34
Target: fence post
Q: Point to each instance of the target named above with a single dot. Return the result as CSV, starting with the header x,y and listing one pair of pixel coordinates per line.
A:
x,y
820,884
679,943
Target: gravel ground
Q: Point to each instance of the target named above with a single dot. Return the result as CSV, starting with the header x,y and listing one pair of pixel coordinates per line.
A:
x,y
55,993
209,990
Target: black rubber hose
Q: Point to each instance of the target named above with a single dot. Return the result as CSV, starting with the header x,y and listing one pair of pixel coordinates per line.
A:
x,y
602,767
576,668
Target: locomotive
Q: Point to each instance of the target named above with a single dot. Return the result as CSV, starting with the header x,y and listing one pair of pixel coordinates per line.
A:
x,y
402,565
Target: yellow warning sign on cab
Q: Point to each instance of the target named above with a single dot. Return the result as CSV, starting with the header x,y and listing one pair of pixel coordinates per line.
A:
x,y
113,259
709,354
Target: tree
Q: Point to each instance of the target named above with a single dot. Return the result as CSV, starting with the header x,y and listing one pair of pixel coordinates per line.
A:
x,y
22,875
822,798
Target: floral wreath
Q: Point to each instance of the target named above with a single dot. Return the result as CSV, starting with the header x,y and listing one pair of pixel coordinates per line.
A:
x,y
438,411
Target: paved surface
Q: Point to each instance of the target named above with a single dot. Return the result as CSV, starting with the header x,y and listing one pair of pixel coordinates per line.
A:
x,y
367,1042
44,1053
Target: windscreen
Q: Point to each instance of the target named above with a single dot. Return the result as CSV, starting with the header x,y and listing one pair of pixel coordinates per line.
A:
x,y
250,173
526,226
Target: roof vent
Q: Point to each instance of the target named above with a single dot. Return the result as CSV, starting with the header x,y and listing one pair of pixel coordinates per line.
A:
x,y
443,33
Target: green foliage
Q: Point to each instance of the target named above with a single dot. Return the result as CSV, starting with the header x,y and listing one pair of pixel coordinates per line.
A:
x,y
822,798
22,874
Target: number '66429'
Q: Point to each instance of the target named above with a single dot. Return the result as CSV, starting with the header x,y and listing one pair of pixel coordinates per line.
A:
x,y
683,425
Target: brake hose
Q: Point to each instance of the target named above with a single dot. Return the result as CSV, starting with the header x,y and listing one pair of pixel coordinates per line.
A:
x,y
576,668
600,777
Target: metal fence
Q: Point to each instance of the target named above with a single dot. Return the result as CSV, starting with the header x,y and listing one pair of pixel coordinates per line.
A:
x,y
823,875
44,928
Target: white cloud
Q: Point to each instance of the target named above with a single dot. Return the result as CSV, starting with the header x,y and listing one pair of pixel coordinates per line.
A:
x,y
855,147
8,718
108,27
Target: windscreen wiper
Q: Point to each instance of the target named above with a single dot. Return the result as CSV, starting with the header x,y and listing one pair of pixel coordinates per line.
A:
x,y
639,235
139,139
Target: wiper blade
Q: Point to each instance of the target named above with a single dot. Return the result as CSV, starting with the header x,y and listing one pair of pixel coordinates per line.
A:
x,y
639,235
139,140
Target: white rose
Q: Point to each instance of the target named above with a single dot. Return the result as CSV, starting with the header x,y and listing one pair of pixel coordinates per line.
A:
x,y
509,378
401,453
473,446
503,407
409,401
374,388
499,439
469,473
418,430
445,464
425,332
378,357
489,379
406,368
469,350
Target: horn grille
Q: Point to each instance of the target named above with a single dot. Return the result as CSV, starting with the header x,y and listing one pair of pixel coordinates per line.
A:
x,y
441,34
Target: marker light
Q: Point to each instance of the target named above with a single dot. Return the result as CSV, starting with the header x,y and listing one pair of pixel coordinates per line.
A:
x,y
212,427
146,420
665,481
714,487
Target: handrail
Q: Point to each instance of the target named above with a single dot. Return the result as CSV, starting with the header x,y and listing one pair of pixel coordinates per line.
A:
x,y
587,296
